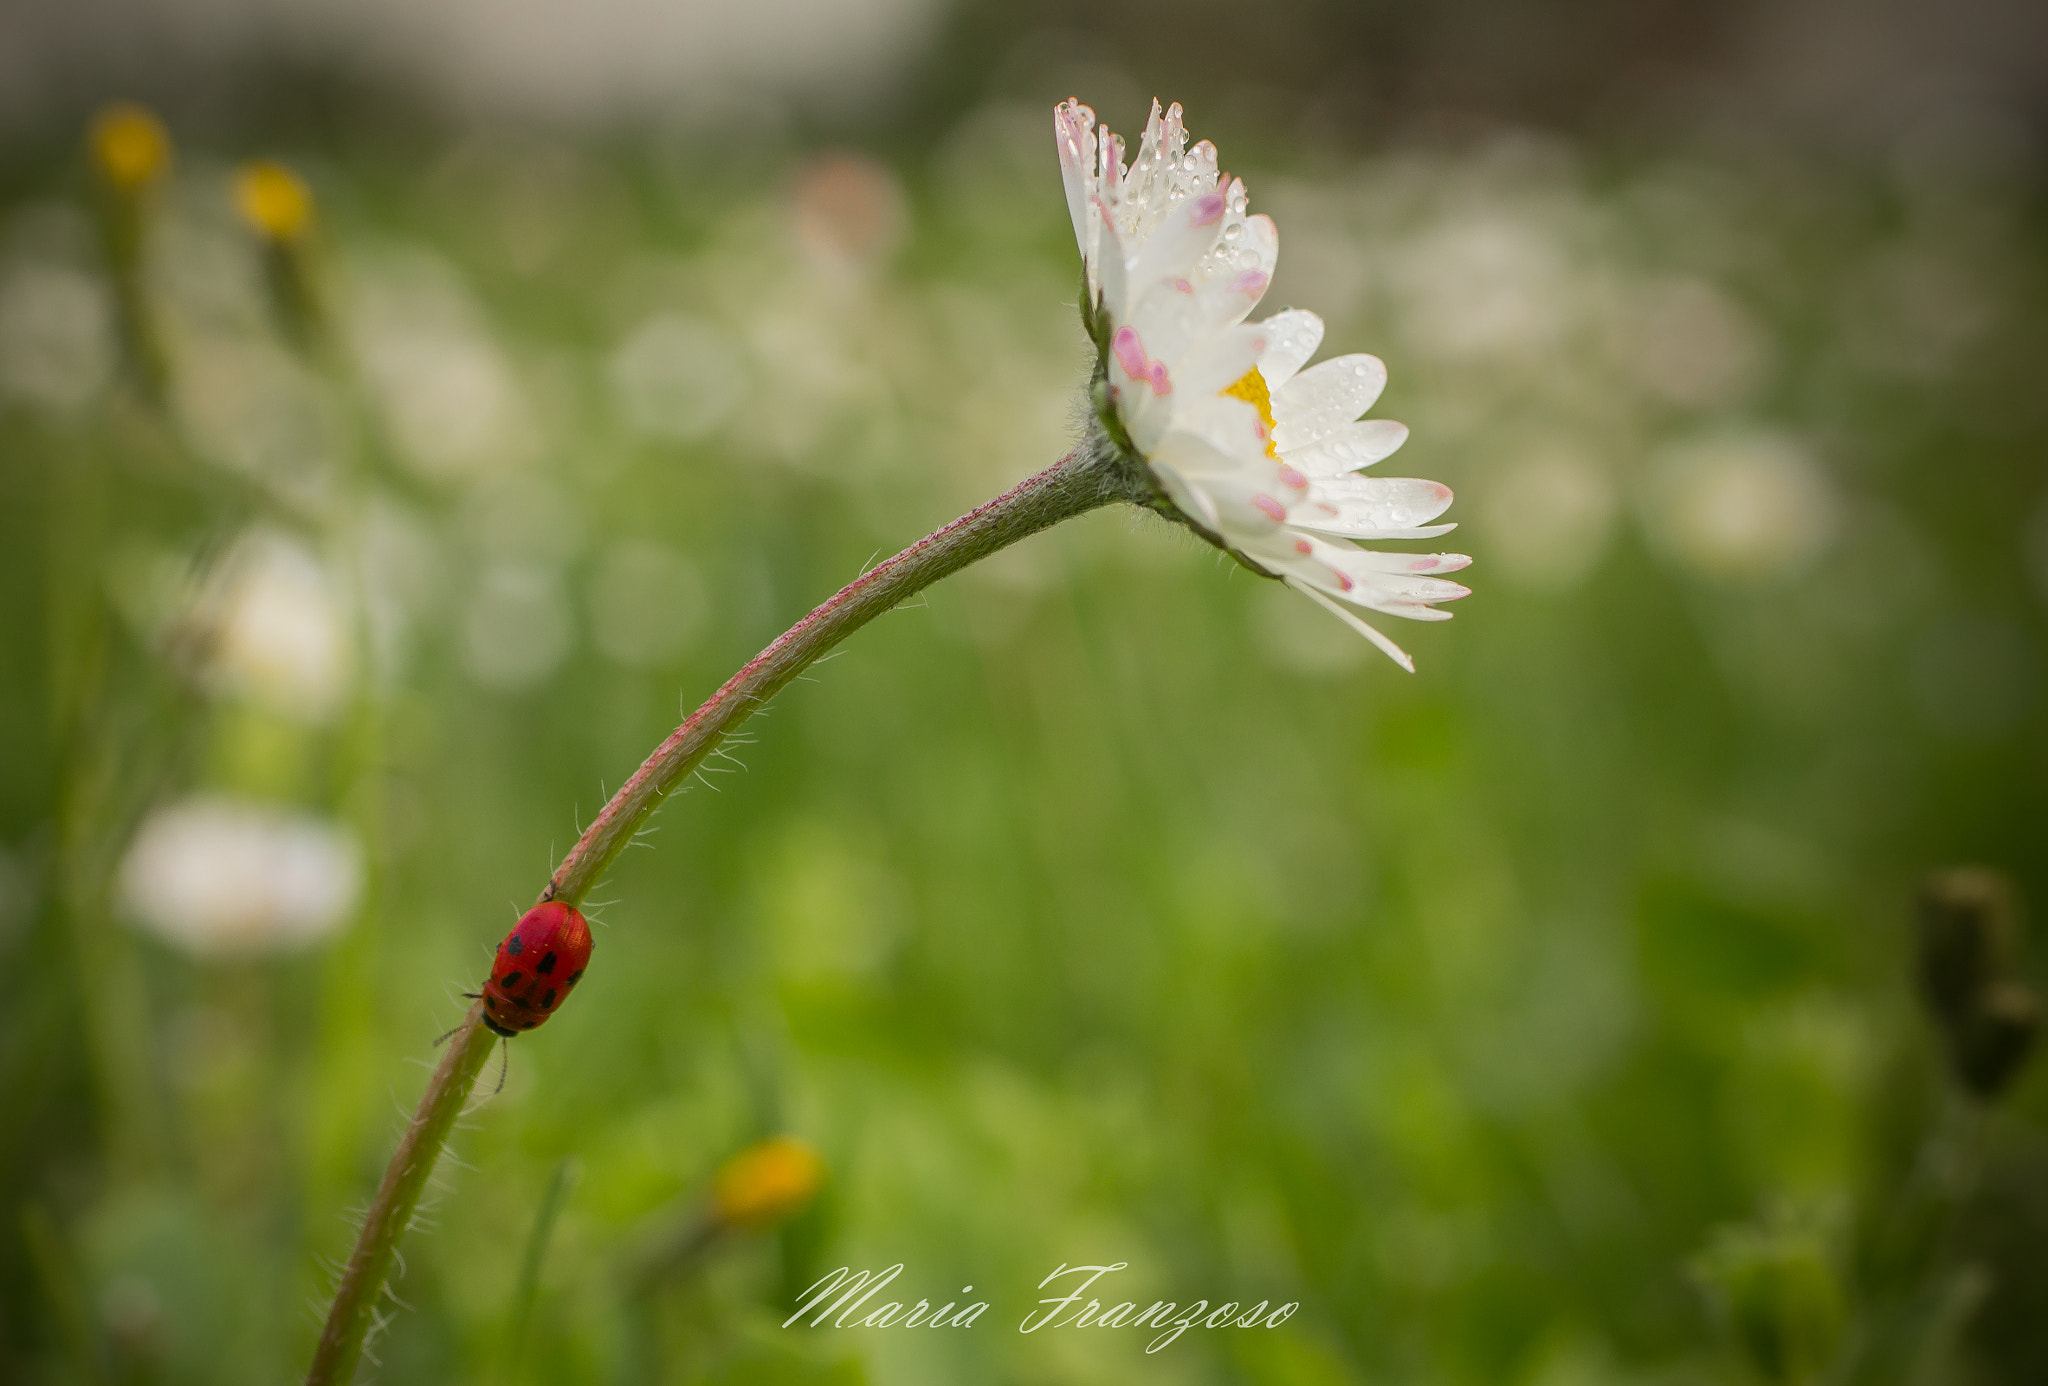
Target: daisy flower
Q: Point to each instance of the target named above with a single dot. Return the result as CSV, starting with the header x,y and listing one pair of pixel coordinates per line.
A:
x,y
1254,453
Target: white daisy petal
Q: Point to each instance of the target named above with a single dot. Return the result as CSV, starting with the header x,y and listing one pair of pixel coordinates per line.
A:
x,y
1293,337
1359,576
1178,320
1223,358
1323,398
1363,532
1173,251
1418,574
1349,448
1384,506
1197,459
1074,130
1409,612
1386,593
1106,265
1393,651
1246,250
1250,512
1231,427
1191,499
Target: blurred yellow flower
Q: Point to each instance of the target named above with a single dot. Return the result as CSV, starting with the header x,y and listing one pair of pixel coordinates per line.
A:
x,y
273,200
767,1183
130,146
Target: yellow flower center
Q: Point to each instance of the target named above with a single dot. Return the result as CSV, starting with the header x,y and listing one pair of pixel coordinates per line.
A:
x,y
273,200
130,146
1251,388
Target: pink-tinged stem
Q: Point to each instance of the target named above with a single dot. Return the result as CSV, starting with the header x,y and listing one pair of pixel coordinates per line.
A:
x,y
398,1197
1079,482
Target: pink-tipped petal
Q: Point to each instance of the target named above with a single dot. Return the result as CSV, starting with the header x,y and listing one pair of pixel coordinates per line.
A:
x,y
1388,647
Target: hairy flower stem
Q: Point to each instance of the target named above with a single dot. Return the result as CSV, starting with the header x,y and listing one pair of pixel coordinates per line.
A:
x,y
398,1198
1090,476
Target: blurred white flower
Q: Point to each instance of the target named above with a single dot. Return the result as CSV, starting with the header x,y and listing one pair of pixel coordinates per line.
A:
x,y
518,627
1740,507
1487,284
447,391
1547,517
646,603
56,336
280,632
222,876
1249,447
678,376
1689,344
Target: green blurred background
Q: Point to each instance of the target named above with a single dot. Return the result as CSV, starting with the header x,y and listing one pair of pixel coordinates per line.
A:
x,y
1546,1017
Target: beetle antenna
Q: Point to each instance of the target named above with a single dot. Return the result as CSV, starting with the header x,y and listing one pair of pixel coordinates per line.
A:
x,y
504,1065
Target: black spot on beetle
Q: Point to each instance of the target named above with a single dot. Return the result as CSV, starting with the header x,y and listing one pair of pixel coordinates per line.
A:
x,y
515,945
545,965
511,980
574,978
547,1002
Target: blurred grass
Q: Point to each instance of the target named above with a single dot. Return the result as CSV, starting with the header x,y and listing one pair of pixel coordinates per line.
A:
x,y
1111,905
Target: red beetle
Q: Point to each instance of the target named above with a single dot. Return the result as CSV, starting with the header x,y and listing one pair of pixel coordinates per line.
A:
x,y
538,964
